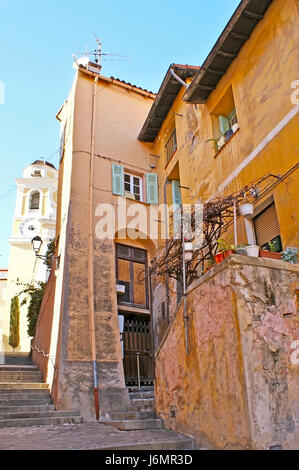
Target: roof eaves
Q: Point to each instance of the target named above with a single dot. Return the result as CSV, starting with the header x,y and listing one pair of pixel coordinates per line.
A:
x,y
166,95
237,31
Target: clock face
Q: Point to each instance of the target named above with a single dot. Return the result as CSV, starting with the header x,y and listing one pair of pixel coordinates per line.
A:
x,y
29,228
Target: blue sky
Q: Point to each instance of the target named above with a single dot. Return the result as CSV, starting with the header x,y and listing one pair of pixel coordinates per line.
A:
x,y
37,40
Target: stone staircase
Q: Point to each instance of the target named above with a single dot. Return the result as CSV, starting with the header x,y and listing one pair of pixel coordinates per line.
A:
x,y
141,414
25,400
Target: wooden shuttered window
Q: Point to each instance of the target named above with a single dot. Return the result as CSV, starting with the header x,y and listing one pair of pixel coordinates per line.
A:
x,y
117,180
266,225
152,188
176,201
122,182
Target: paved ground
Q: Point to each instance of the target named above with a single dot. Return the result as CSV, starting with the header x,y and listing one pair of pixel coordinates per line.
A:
x,y
85,436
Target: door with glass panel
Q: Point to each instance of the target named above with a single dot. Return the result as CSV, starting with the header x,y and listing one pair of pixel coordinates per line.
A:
x,y
131,271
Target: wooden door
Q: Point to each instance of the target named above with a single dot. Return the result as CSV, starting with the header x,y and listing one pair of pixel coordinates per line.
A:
x,y
138,360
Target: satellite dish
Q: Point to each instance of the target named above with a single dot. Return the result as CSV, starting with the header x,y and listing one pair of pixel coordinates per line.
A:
x,y
84,61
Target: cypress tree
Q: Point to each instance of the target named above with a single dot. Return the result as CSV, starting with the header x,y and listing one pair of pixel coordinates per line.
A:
x,y
14,327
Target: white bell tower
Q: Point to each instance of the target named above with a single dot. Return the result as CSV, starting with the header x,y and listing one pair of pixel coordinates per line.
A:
x,y
35,214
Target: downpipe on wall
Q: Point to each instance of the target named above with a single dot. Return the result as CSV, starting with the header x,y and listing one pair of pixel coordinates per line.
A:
x,y
90,258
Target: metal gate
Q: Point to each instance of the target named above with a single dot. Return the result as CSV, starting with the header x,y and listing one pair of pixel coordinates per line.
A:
x,y
138,360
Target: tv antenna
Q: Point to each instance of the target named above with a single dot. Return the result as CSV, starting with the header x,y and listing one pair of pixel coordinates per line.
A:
x,y
98,54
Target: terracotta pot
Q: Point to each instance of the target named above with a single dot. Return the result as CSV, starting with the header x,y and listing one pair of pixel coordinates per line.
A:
x,y
219,257
269,254
228,253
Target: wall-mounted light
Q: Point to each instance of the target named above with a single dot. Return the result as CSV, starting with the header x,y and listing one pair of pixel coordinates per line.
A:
x,y
36,246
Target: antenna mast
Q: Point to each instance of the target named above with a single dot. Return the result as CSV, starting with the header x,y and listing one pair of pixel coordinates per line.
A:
x,y
97,52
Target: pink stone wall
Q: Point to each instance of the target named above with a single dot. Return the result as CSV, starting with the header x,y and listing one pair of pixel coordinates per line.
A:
x,y
237,387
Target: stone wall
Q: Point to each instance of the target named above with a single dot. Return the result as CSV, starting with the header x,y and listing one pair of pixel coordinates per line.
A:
x,y
237,388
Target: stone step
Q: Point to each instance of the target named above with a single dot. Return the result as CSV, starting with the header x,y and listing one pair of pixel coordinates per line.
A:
x,y
16,360
8,368
50,421
134,415
23,385
18,391
20,377
39,401
142,408
141,395
26,408
38,414
135,424
171,443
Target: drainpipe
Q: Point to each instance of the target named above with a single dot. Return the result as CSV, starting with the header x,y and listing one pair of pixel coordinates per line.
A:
x,y
90,258
166,236
178,78
184,284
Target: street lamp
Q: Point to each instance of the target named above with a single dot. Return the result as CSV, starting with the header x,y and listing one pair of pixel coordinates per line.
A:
x,y
36,245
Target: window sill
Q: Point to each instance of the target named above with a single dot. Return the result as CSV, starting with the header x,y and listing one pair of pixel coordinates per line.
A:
x,y
226,143
132,309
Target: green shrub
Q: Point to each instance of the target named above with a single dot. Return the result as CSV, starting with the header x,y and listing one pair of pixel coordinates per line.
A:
x,y
14,326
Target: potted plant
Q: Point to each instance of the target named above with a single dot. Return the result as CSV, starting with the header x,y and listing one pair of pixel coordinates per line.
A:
x,y
270,253
215,142
219,257
290,255
225,248
241,249
211,263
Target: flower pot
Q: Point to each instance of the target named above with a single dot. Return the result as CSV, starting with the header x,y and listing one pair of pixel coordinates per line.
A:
x,y
188,247
246,210
228,135
269,254
227,253
235,127
221,142
241,251
219,257
252,250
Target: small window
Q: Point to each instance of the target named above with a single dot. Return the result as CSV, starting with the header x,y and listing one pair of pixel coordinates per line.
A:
x,y
36,173
171,146
34,200
133,186
224,119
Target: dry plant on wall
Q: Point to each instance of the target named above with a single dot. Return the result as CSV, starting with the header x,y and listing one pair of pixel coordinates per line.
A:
x,y
218,213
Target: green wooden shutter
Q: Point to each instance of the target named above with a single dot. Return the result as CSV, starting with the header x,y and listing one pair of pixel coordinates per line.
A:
x,y
152,188
224,124
176,201
117,180
176,193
